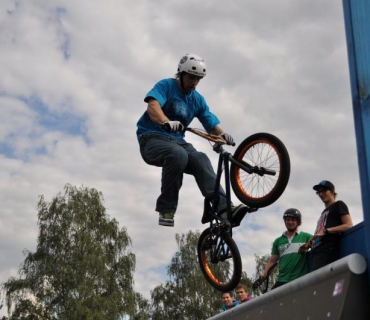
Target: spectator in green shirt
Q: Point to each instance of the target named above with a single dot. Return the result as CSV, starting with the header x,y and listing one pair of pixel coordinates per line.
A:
x,y
285,250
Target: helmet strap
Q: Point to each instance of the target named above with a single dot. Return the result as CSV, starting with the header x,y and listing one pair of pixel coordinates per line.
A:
x,y
181,81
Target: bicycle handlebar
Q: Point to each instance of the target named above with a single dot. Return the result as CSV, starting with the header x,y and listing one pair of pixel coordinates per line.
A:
x,y
208,136
218,139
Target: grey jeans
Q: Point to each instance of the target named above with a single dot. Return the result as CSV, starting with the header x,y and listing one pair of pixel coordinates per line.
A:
x,y
177,157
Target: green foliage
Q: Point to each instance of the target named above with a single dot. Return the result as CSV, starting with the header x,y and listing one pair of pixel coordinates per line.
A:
x,y
82,268
142,311
29,310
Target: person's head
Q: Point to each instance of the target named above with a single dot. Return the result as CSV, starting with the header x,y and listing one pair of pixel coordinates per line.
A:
x,y
326,191
292,219
227,298
191,69
241,292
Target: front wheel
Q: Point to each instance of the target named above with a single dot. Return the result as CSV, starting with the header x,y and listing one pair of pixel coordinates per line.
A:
x,y
267,156
219,260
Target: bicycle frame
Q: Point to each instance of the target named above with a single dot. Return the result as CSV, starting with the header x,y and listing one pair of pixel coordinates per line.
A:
x,y
223,165
225,158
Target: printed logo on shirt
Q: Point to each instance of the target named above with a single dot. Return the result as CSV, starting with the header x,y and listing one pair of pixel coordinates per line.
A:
x,y
177,110
283,248
320,227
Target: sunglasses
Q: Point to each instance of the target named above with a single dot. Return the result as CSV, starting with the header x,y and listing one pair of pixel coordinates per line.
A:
x,y
321,191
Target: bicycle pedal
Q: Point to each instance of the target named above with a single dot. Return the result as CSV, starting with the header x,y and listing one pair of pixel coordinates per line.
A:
x,y
239,216
225,257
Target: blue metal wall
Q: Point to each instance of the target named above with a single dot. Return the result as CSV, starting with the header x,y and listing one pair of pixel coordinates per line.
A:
x,y
357,24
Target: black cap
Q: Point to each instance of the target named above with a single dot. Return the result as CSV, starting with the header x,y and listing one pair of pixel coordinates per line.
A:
x,y
324,184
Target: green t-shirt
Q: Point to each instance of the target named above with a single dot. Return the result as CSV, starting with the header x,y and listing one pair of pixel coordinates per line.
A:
x,y
292,264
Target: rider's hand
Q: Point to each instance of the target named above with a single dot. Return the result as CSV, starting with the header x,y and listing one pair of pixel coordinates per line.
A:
x,y
258,282
173,126
228,138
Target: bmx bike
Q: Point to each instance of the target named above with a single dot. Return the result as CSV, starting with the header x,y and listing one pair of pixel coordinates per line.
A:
x,y
258,173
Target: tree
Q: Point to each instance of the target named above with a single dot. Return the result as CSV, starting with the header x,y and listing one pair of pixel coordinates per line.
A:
x,y
142,311
186,295
26,309
82,267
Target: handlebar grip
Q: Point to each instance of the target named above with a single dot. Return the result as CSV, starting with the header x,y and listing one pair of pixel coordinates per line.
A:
x,y
166,126
232,144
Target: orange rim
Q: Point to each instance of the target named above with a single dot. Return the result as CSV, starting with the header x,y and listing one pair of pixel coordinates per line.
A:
x,y
254,186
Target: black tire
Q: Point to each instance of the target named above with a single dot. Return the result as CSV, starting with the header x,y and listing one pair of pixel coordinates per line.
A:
x,y
262,150
219,260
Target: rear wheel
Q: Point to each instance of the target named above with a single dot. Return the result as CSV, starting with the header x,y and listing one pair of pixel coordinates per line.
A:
x,y
219,260
267,156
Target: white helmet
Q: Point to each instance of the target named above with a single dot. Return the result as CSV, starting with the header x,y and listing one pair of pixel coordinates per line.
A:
x,y
193,64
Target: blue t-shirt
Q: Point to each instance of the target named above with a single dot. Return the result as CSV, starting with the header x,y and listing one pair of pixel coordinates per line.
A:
x,y
177,106
224,308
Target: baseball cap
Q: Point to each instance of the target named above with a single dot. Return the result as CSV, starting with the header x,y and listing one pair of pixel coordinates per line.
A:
x,y
324,184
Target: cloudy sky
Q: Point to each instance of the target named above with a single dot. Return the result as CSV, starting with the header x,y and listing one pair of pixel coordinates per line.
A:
x,y
72,82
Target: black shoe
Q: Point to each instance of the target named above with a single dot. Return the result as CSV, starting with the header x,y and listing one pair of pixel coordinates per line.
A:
x,y
237,214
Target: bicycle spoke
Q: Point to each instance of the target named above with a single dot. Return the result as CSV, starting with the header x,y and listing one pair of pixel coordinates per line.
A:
x,y
260,155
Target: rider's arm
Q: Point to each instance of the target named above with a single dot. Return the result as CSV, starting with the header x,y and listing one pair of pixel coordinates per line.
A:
x,y
273,259
155,112
216,130
227,137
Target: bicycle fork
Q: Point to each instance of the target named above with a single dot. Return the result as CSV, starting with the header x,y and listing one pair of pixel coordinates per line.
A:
x,y
223,165
219,251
